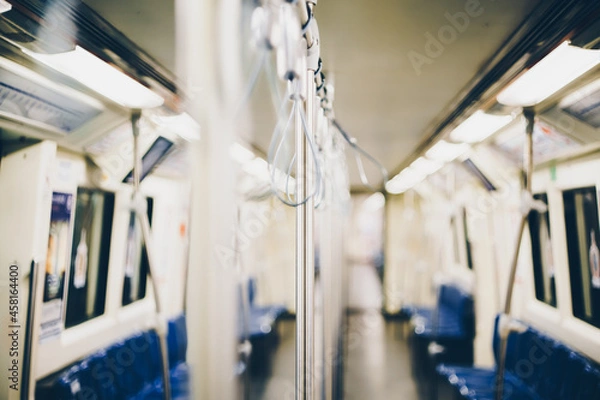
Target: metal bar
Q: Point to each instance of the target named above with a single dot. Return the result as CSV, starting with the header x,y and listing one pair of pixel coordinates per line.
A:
x,y
325,227
301,217
528,165
507,306
147,237
137,160
162,335
305,269
27,347
310,254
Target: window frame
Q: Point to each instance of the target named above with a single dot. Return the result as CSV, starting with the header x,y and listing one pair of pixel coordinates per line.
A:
x,y
106,236
536,252
576,280
144,265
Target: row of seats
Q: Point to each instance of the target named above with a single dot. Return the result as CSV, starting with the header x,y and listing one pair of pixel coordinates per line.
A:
x,y
452,317
129,369
257,325
444,333
537,368
258,321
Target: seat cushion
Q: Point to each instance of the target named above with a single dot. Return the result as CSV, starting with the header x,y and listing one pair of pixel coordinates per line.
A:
x,y
537,367
479,384
127,369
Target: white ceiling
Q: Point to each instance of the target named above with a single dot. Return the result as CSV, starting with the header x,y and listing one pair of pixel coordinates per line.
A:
x,y
379,97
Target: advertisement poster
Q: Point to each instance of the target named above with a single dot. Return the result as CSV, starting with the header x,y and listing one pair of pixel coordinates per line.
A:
x,y
57,261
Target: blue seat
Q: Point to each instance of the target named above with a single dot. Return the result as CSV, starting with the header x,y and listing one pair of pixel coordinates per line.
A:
x,y
177,340
451,326
410,311
537,367
180,376
453,316
259,321
128,369
257,324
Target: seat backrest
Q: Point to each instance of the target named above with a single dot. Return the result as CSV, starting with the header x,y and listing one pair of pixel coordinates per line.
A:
x,y
450,296
177,340
454,300
548,367
121,370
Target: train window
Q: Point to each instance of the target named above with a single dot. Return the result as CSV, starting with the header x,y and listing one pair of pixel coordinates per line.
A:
x,y
89,255
136,260
581,219
541,251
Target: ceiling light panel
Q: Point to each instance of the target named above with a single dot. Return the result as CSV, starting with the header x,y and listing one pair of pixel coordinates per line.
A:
x,y
101,77
479,127
559,68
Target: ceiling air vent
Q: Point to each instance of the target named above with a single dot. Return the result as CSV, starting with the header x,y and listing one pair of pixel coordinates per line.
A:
x,y
584,104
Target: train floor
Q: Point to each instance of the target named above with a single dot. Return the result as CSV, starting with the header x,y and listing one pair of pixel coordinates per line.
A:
x,y
376,365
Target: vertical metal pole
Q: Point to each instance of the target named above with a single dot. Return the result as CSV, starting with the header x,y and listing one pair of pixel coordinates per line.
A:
x,y
301,217
327,293
146,235
310,248
305,268
528,165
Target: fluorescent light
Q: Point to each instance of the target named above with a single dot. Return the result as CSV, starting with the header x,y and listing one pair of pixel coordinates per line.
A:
x,y
5,6
100,77
395,187
425,166
405,180
240,154
562,66
183,125
420,169
374,202
258,168
446,152
479,126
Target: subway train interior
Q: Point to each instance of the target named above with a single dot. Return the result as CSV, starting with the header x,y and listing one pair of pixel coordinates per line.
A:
x,y
300,199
